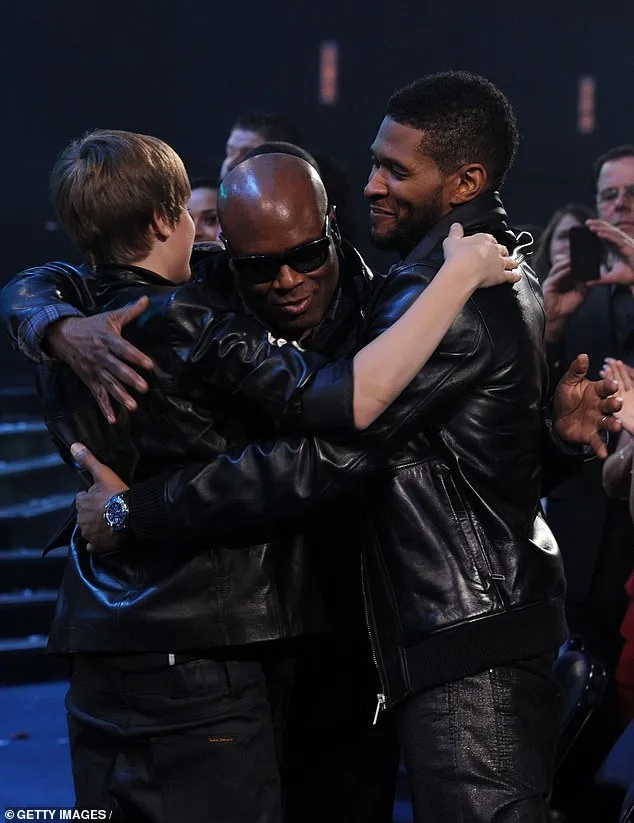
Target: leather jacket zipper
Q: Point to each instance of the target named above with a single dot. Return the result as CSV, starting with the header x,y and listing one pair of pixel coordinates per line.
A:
x,y
381,704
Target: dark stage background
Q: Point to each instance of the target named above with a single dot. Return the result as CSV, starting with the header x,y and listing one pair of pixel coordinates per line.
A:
x,y
184,70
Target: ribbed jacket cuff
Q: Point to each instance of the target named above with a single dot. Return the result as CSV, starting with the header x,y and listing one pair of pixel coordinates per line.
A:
x,y
148,519
328,399
474,646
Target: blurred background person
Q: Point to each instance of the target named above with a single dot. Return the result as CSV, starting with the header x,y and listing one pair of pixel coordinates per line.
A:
x,y
282,147
203,207
338,187
554,244
252,130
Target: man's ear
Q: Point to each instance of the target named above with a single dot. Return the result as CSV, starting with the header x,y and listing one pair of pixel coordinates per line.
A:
x,y
161,227
466,183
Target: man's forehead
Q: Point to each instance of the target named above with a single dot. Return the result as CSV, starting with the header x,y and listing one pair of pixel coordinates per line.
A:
x,y
616,172
244,137
272,227
397,140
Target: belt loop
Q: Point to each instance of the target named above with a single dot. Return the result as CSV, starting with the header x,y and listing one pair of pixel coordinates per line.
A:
x,y
171,659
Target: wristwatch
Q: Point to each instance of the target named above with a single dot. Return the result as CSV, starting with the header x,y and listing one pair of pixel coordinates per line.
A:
x,y
116,512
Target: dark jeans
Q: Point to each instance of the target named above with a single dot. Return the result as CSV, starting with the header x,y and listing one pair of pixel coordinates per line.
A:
x,y
191,742
482,748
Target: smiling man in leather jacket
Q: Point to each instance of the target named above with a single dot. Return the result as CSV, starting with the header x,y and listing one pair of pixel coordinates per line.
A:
x,y
462,583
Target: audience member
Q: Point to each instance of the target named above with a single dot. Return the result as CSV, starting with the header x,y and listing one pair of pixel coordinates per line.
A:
x,y
595,534
553,246
280,147
203,208
338,188
251,130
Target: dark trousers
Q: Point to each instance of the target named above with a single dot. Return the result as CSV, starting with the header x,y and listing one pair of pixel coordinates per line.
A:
x,y
191,742
216,735
481,749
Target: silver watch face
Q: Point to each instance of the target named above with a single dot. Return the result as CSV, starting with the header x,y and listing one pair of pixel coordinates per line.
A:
x,y
116,512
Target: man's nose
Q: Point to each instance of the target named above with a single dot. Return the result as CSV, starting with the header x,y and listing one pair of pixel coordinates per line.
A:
x,y
623,202
287,278
375,186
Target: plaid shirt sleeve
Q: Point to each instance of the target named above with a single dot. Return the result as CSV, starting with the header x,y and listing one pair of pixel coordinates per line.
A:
x,y
32,330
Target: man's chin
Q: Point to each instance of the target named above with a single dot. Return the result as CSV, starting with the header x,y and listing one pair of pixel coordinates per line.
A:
x,y
386,241
295,328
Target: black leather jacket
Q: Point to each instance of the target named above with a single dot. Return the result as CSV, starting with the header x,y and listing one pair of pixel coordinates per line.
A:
x,y
220,380
460,570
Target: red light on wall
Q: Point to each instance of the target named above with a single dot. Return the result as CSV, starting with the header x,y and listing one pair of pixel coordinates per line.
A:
x,y
328,73
586,119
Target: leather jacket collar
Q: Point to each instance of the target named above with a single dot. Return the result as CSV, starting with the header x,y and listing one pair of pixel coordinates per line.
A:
x,y
484,213
113,275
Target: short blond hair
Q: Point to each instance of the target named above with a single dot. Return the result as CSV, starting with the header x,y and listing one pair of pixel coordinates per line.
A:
x,y
107,187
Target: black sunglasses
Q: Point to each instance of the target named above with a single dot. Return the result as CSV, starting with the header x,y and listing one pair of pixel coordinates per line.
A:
x,y
263,268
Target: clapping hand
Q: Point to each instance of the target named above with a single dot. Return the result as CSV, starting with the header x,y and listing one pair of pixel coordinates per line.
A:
x,y
584,408
622,374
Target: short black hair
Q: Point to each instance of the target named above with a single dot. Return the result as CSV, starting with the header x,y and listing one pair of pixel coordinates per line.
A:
x,y
627,150
204,183
464,119
271,127
282,147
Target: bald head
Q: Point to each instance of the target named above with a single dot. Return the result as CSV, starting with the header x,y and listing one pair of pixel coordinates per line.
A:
x,y
269,198
274,207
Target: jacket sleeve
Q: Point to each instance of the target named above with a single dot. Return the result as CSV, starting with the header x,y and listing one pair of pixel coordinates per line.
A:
x,y
559,461
262,483
38,297
218,350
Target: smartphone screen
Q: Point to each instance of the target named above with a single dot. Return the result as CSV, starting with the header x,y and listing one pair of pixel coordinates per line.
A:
x,y
586,254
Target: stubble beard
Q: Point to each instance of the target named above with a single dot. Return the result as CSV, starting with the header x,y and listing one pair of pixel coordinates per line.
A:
x,y
407,234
